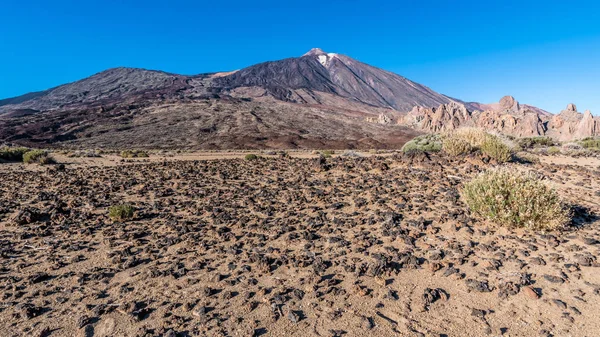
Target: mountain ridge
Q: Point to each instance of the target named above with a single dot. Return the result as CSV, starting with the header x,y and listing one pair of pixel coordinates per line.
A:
x,y
345,92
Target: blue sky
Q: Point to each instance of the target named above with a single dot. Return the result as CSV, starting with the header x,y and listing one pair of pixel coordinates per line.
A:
x,y
545,53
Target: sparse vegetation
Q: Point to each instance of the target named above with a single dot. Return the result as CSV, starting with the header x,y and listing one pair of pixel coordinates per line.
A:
x,y
251,156
533,142
591,143
474,136
134,154
526,158
424,143
37,157
553,150
327,153
121,212
83,154
8,154
456,146
494,147
515,199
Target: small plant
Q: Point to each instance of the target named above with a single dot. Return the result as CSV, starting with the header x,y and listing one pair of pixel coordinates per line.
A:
x,y
8,154
533,142
424,143
327,153
590,143
553,150
515,199
496,149
37,157
251,156
474,136
134,154
122,212
456,146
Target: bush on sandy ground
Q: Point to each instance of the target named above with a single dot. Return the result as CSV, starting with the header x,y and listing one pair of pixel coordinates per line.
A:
x,y
526,158
37,157
456,146
134,154
251,156
8,154
424,143
591,143
532,142
467,140
515,199
494,147
121,212
474,136
327,153
553,150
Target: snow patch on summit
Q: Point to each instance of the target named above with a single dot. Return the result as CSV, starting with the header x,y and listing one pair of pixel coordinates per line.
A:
x,y
325,58
322,59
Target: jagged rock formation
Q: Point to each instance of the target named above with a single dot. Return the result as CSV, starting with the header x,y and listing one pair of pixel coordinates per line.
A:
x,y
570,124
381,119
446,117
506,117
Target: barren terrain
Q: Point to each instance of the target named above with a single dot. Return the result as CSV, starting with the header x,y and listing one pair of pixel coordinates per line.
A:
x,y
300,246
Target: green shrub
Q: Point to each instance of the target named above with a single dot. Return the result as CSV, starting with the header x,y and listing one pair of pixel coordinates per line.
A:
x,y
122,212
515,199
496,149
591,143
251,156
424,143
134,154
531,142
327,153
455,146
37,157
553,150
12,153
526,158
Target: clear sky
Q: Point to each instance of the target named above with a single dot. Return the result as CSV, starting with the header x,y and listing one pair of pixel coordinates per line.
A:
x,y
543,52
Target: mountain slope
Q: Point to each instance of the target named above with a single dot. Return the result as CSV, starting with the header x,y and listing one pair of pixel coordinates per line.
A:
x,y
112,84
315,100
336,74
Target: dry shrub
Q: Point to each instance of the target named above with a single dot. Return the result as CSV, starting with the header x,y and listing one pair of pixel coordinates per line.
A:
x,y
134,154
37,157
251,156
455,146
494,147
515,199
474,136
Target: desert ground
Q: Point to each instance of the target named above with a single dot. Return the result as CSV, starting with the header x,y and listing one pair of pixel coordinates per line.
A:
x,y
371,244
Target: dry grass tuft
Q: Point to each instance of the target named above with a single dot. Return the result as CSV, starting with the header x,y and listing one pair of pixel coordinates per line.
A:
x,y
37,157
515,199
456,146
424,143
494,147
474,136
